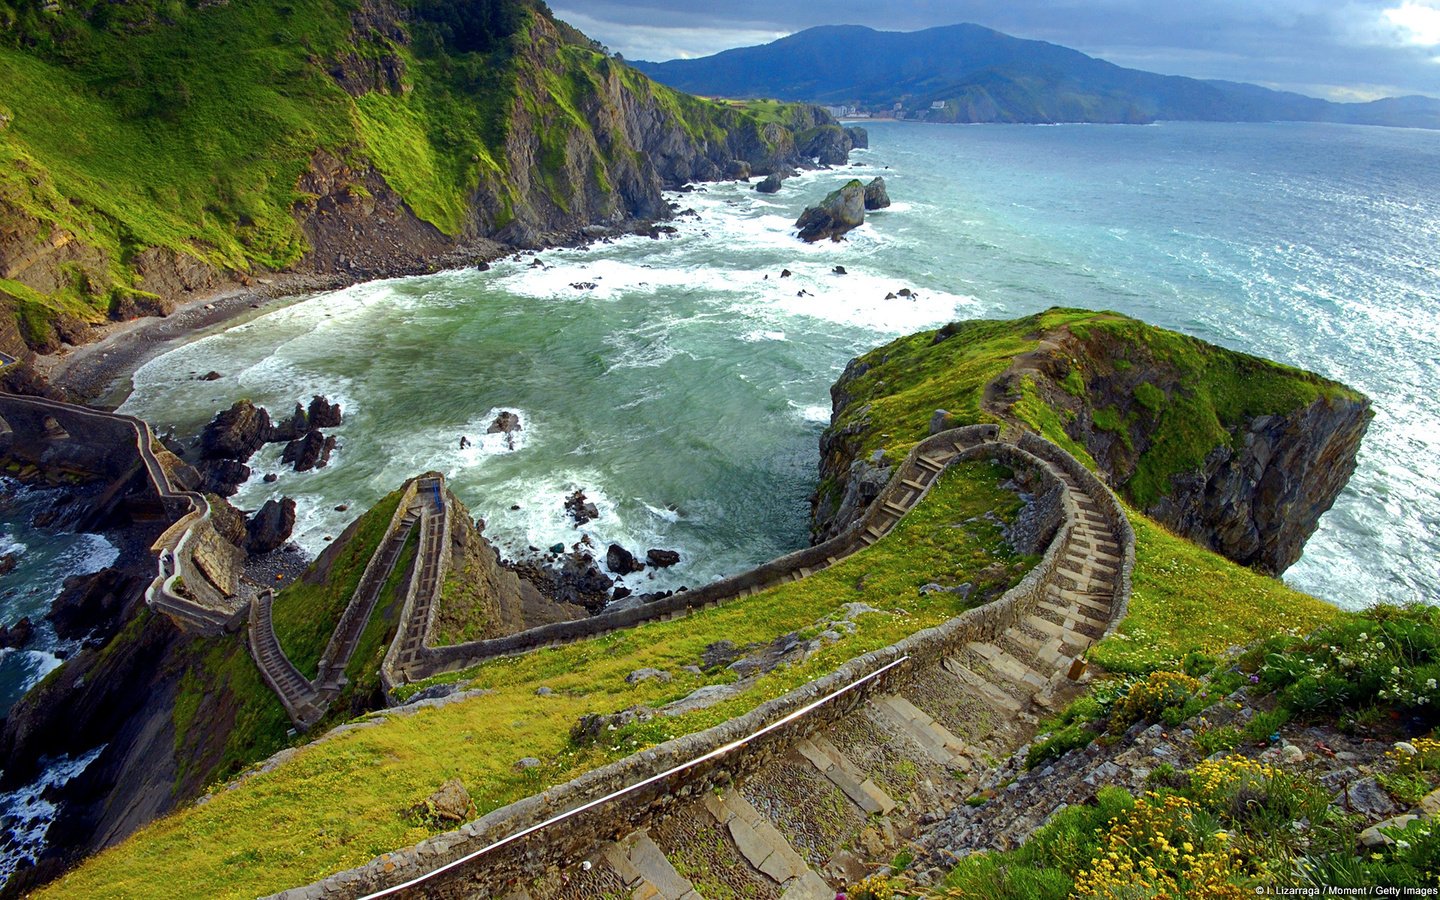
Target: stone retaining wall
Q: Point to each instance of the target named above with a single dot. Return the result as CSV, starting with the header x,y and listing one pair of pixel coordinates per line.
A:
x,y
664,778
437,660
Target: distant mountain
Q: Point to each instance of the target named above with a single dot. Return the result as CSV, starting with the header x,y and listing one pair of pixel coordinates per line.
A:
x,y
967,73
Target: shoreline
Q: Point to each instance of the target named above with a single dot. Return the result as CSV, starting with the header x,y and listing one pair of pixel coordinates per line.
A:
x,y
92,373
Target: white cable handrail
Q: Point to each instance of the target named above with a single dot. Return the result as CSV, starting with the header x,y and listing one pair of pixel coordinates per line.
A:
x,y
613,795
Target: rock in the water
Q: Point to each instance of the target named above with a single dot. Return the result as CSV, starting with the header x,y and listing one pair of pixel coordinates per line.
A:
x,y
737,170
839,270
875,195
580,581
785,273
859,137
210,376
661,559
832,217
580,509
451,803
292,428
621,561
771,184
323,413
235,433
222,476
270,527
309,452
505,423
270,478
829,145
8,562
17,635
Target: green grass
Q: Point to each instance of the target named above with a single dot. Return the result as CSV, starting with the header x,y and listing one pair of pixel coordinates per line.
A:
x,y
1186,600
344,800
306,611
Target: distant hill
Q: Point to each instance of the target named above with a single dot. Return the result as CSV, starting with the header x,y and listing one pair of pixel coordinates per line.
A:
x,y
967,73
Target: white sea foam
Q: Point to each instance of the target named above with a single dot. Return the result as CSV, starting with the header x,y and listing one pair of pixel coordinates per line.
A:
x,y
27,815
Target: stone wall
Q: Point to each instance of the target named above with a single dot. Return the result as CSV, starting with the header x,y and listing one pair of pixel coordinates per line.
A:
x,y
524,839
436,660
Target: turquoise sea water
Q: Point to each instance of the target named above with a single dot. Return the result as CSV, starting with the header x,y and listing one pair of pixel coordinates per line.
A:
x,y
686,390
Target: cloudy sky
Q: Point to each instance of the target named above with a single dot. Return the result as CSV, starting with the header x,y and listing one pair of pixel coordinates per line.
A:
x,y
1339,49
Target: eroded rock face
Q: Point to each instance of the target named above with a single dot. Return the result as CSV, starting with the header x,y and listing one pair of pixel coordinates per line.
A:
x,y
235,433
875,194
309,452
270,527
323,413
837,214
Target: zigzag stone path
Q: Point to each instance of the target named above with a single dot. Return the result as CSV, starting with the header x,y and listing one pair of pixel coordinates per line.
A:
x,y
825,806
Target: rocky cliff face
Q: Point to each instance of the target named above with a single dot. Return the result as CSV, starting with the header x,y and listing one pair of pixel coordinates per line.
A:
x,y
437,130
1236,453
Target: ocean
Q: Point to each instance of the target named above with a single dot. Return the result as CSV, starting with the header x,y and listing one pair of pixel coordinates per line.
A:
x,y
682,383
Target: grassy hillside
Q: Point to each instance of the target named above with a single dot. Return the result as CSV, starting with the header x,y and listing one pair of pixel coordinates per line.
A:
x,y
227,135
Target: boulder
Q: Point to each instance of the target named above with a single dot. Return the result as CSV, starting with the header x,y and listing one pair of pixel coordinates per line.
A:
x,y
507,422
621,561
661,559
8,562
771,184
859,137
839,270
323,413
309,452
641,675
17,635
292,428
451,803
580,509
875,195
737,170
270,527
832,217
235,433
222,476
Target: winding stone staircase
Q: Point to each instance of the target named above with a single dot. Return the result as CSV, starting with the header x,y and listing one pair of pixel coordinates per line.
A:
x,y
811,791
306,700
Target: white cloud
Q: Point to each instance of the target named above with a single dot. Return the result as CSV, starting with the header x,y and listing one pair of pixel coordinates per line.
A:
x,y
659,42
1418,22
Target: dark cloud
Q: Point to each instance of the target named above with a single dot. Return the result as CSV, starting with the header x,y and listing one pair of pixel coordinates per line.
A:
x,y
1344,49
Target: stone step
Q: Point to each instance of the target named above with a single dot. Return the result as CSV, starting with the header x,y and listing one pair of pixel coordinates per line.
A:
x,y
845,775
911,483
643,868
765,848
1086,604
1070,641
926,462
895,508
1072,616
987,689
935,739
1007,666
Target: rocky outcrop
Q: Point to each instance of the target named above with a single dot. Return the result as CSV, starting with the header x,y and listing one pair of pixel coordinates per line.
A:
x,y
323,413
859,137
621,561
840,211
770,185
506,422
661,559
236,433
1233,452
309,452
829,145
875,195
270,527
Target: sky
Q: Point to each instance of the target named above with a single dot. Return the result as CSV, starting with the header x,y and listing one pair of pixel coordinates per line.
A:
x,y
1336,49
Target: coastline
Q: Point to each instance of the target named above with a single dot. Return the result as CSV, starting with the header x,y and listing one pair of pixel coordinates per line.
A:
x,y
92,373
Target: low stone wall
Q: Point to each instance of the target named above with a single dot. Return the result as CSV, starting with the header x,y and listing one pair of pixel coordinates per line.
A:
x,y
437,660
561,825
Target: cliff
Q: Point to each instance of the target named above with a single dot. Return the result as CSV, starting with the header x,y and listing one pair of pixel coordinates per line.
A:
x,y
150,152
1239,454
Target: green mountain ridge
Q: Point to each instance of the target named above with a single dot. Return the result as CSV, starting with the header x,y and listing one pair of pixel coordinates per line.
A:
x,y
149,151
969,73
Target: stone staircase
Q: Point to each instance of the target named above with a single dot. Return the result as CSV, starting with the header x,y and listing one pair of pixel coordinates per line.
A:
x,y
798,817
306,701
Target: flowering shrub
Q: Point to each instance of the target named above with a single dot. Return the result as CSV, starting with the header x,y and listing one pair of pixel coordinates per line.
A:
x,y
1151,697
1167,848
875,887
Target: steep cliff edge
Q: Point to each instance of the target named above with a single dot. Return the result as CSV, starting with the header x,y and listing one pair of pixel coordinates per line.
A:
x,y
1239,454
153,151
